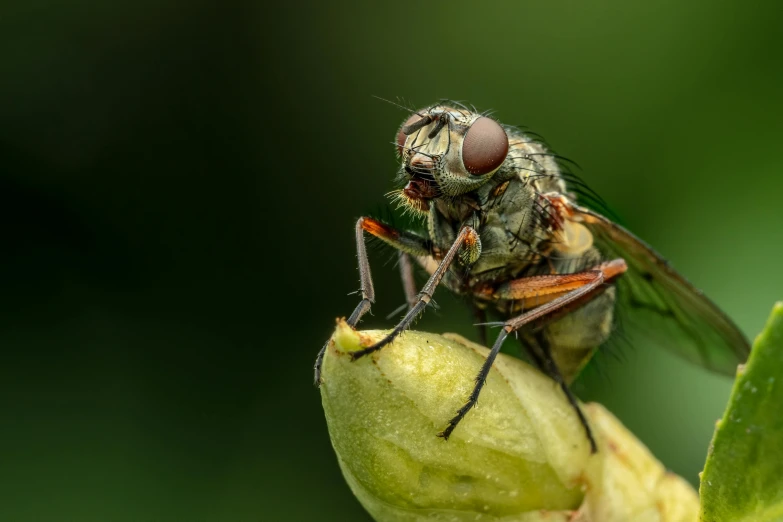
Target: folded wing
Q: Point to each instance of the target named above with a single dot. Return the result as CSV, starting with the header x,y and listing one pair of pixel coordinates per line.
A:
x,y
656,303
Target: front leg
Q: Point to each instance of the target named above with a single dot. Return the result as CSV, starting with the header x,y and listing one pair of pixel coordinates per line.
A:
x,y
468,247
403,241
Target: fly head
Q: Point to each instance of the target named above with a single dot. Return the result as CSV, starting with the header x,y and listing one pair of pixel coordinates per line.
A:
x,y
448,152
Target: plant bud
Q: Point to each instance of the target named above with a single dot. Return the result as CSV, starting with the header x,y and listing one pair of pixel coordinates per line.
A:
x,y
520,455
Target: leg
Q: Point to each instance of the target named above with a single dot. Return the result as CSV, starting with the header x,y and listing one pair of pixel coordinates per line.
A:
x,y
408,282
401,240
468,238
554,372
530,347
564,286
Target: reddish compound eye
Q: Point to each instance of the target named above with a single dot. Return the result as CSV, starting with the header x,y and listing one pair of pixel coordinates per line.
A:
x,y
401,136
485,146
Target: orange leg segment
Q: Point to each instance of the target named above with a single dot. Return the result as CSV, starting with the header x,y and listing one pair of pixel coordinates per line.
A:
x,y
538,290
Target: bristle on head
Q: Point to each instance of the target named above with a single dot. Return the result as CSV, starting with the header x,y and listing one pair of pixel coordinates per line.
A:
x,y
414,207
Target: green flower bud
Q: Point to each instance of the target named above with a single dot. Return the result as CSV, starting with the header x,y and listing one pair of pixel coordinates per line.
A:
x,y
519,455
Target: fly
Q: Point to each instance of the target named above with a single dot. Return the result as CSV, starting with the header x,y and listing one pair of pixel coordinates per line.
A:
x,y
505,229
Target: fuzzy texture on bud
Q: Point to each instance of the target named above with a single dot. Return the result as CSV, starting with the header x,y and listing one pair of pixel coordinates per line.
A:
x,y
520,455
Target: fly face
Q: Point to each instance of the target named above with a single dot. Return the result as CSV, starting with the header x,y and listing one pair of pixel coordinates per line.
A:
x,y
448,152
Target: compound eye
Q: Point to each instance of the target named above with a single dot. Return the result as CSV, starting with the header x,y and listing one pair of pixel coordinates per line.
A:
x,y
485,146
401,136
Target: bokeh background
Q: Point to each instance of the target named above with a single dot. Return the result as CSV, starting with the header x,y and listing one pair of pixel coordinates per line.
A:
x,y
179,183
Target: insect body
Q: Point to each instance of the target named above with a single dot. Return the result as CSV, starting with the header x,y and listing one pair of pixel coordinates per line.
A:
x,y
504,229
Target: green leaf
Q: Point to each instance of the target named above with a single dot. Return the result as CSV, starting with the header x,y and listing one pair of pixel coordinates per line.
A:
x,y
743,476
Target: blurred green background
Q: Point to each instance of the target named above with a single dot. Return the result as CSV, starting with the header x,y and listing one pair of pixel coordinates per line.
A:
x,y
179,183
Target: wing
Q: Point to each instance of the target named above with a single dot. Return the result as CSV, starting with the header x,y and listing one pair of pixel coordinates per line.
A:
x,y
655,302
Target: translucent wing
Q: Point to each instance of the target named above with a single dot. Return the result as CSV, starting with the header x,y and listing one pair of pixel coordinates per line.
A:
x,y
656,302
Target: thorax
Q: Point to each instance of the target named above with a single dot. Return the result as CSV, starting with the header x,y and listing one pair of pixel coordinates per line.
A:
x,y
521,235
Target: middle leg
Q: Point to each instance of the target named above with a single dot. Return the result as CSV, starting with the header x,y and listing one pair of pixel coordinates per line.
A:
x,y
408,281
